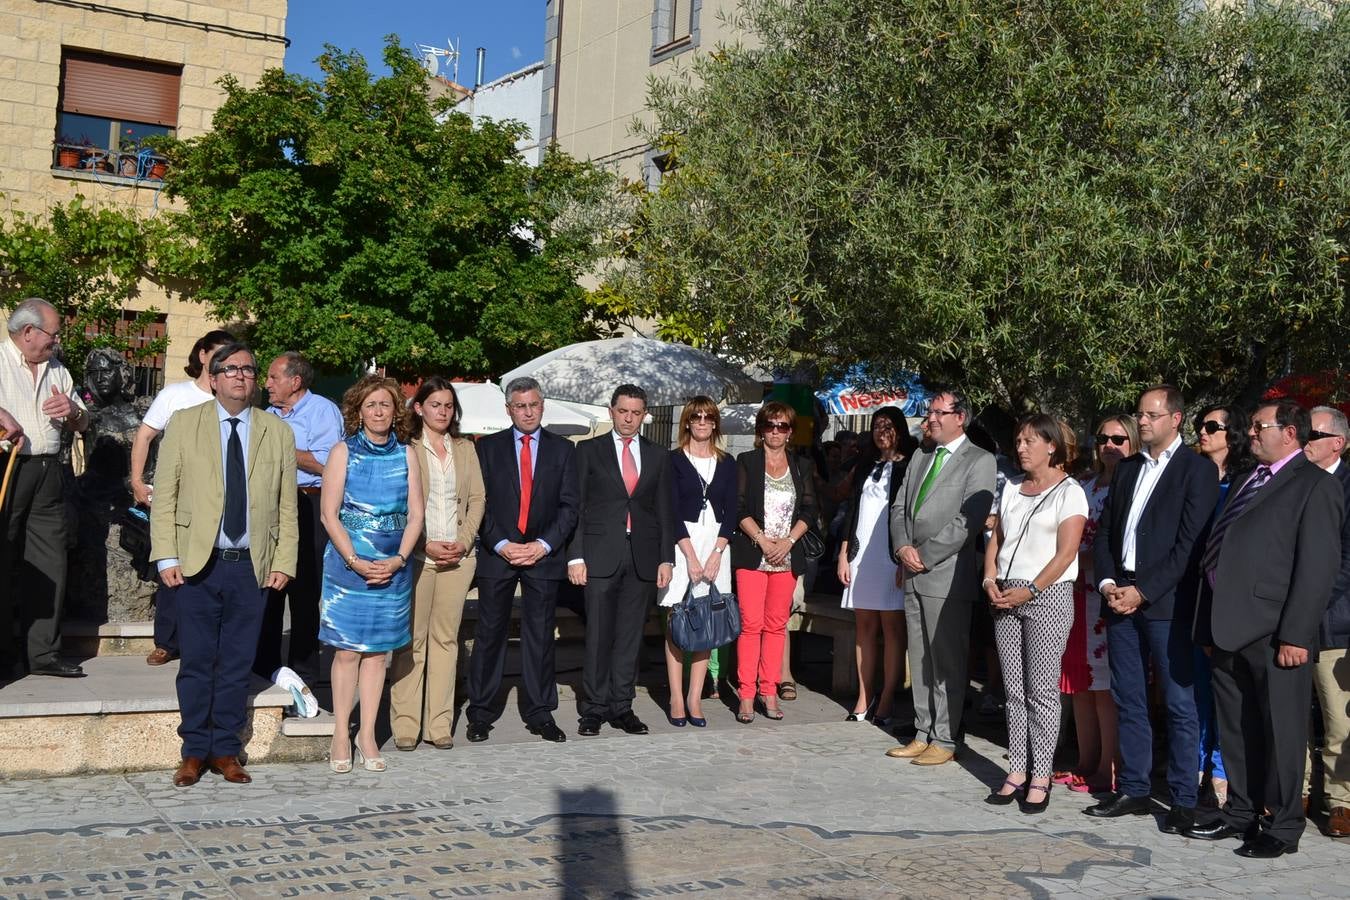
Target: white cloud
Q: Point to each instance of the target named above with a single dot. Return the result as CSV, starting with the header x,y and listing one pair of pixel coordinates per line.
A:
x,y
515,53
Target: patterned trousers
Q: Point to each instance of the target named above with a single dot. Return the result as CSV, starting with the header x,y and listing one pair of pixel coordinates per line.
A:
x,y
1031,640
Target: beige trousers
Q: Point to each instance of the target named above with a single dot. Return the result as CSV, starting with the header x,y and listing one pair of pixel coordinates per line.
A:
x,y
1331,680
422,693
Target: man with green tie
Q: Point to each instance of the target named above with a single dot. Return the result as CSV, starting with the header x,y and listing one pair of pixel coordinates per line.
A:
x,y
935,519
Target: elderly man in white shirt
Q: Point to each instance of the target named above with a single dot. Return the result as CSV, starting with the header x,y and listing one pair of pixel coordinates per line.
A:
x,y
37,403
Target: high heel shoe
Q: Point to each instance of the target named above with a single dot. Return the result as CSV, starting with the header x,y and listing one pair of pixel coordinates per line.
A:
x,y
339,766
745,718
677,721
1039,806
773,713
998,799
698,722
856,716
369,763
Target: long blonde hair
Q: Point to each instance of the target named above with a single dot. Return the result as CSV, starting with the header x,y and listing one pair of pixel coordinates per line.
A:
x,y
696,405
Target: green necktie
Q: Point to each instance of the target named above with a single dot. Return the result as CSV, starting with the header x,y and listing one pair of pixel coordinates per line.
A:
x,y
928,480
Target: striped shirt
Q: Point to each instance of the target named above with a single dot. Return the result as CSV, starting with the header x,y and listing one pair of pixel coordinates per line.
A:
x,y
22,397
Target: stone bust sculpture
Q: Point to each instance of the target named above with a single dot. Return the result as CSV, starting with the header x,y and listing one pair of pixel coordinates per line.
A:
x,y
113,417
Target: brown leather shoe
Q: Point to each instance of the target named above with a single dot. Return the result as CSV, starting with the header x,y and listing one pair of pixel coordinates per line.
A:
x,y
158,657
1338,823
933,756
228,767
908,751
189,772
443,743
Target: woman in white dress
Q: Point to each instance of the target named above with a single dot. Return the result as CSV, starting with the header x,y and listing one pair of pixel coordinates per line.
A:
x,y
873,588
704,485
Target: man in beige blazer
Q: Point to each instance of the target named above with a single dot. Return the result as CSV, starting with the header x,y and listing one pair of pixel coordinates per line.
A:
x,y
223,532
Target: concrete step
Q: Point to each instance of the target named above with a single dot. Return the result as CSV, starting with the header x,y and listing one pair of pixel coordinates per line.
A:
x,y
121,717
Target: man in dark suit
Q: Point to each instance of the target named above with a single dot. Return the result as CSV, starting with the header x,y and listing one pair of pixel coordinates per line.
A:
x,y
623,551
1147,540
531,483
1268,570
1331,678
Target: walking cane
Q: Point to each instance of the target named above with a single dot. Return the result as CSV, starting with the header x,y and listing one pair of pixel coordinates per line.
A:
x,y
12,447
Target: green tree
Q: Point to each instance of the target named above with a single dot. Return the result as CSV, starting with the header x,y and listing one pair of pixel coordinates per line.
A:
x,y
87,262
353,219
1050,202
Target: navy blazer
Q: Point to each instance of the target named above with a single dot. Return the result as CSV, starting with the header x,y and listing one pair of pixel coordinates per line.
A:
x,y
861,473
1168,541
687,487
1335,632
554,502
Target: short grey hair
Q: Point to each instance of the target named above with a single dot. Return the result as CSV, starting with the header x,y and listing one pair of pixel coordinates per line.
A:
x,y
1339,424
522,385
29,312
297,366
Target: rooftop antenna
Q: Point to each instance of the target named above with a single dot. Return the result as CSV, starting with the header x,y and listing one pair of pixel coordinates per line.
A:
x,y
431,58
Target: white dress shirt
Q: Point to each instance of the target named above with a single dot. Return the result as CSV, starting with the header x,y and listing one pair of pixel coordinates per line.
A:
x,y
442,500
22,393
1150,473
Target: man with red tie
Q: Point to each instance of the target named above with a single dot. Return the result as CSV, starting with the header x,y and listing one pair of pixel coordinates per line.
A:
x,y
622,552
532,504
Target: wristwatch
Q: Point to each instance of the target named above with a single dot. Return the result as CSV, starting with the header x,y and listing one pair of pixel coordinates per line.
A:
x,y
1035,591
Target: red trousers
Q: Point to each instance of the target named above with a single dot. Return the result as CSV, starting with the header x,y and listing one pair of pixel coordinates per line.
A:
x,y
766,603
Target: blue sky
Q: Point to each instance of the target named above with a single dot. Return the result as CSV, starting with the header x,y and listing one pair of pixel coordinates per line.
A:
x,y
511,30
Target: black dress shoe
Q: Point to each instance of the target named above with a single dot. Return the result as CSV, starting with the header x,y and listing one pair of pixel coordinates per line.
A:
x,y
59,669
1266,846
1179,818
477,732
548,731
589,726
1118,805
1217,830
629,723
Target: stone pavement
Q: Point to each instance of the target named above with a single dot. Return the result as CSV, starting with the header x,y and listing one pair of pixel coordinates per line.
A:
x,y
790,809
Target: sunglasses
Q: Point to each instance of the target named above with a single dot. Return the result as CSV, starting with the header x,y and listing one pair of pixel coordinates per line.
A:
x,y
780,427
1213,427
1117,439
703,417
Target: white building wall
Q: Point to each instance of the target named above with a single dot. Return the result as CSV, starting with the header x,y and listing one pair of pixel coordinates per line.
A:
x,y
517,96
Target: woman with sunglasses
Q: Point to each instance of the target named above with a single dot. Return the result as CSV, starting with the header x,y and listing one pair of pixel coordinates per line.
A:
x,y
776,497
873,585
704,483
1085,675
1221,437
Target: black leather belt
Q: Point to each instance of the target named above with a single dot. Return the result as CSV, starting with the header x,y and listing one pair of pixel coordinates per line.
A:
x,y
232,555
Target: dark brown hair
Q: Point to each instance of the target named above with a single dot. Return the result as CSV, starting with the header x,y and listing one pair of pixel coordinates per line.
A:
x,y
1047,428
209,341
426,389
772,409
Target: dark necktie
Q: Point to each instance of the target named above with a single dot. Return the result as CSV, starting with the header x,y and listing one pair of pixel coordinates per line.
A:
x,y
236,486
1230,512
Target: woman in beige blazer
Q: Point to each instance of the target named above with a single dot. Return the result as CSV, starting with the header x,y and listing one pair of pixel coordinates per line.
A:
x,y
422,697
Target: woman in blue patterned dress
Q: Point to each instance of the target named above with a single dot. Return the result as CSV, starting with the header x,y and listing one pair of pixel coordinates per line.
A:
x,y
371,506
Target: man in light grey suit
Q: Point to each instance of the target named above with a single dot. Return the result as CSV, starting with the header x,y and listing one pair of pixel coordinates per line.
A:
x,y
934,522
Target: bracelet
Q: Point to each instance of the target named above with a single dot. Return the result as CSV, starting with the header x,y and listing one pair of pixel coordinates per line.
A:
x,y
401,558
791,539
988,581
1034,591
349,560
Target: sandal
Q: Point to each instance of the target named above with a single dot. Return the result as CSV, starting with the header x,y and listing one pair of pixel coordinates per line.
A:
x,y
1065,777
787,690
769,712
1079,785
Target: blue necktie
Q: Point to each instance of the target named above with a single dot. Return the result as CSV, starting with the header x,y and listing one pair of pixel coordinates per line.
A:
x,y
236,486
1230,512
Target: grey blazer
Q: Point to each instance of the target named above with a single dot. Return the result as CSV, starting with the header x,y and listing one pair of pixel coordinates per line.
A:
x,y
952,516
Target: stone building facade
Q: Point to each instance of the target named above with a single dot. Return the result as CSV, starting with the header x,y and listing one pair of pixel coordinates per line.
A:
x,y
82,82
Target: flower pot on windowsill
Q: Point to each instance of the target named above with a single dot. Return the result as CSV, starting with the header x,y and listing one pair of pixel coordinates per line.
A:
x,y
67,158
126,166
157,169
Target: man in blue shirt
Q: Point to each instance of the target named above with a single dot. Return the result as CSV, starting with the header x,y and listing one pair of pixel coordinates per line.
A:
x,y
317,425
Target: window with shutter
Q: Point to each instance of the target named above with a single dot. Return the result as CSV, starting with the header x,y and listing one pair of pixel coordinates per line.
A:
x,y
109,105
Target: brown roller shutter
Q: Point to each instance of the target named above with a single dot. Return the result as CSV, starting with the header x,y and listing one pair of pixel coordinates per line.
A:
x,y
129,90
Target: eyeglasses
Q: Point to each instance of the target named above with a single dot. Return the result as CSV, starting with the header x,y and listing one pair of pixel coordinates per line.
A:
x,y
1259,427
1318,435
238,371
940,413
1117,439
54,335
780,427
703,417
1213,427
1151,416
521,407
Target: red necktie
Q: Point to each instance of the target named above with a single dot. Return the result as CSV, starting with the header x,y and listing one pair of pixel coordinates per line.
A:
x,y
630,473
526,483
